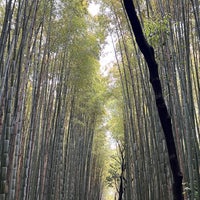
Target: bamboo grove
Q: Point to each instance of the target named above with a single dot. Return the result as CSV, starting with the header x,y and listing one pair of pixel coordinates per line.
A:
x,y
51,101
56,107
172,28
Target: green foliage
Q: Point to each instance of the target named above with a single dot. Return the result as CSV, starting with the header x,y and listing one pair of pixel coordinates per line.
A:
x,y
2,13
155,27
113,176
115,106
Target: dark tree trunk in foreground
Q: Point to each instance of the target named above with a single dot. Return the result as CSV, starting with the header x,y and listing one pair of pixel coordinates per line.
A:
x,y
164,116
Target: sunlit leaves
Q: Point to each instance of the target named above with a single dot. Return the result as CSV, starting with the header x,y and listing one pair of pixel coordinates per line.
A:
x,y
155,27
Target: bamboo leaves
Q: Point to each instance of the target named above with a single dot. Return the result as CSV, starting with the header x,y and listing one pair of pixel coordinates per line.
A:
x,y
50,88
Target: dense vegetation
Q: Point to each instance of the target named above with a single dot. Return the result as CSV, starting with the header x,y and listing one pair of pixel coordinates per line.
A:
x,y
58,109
